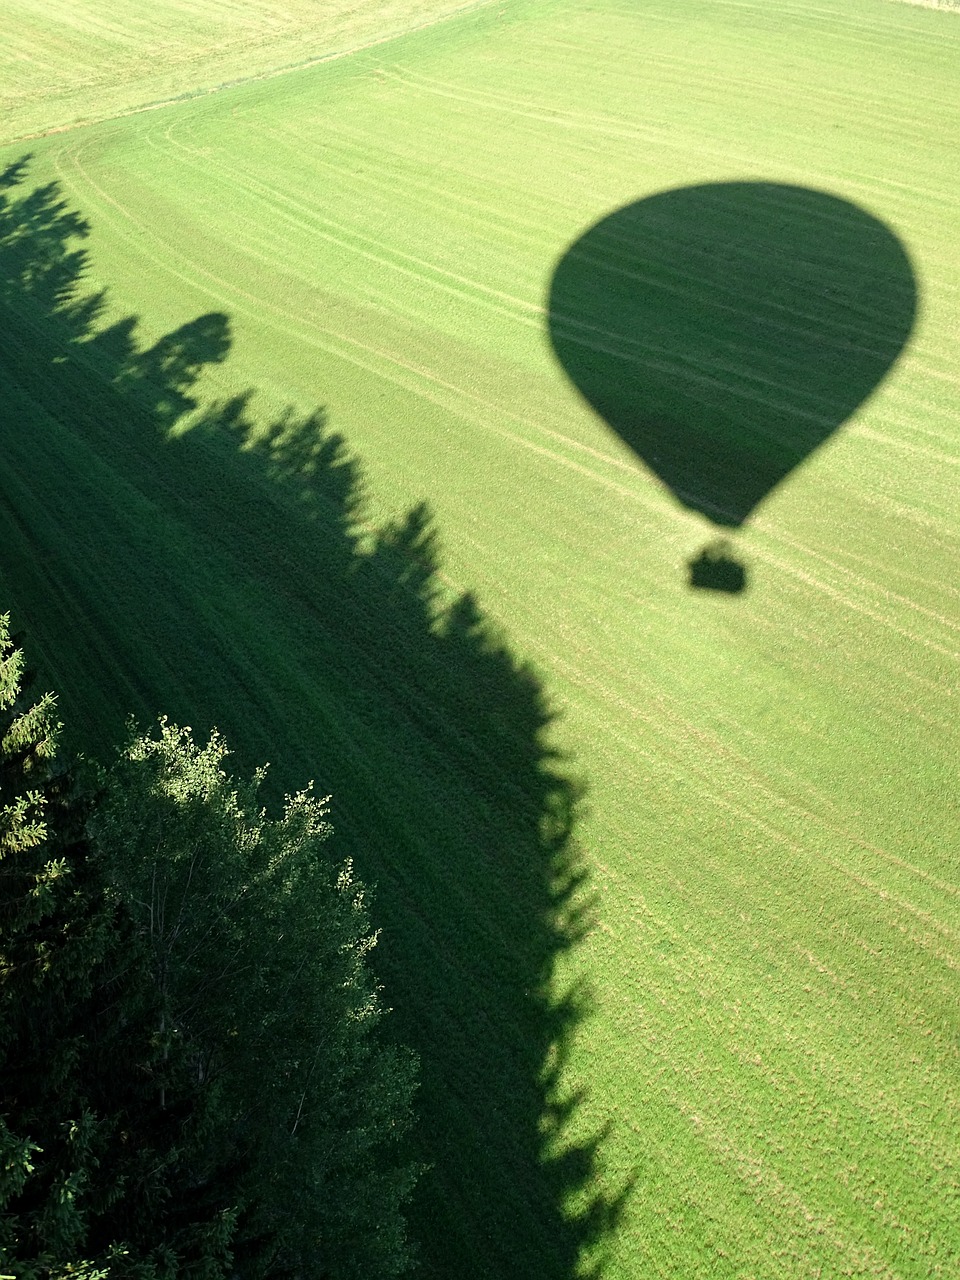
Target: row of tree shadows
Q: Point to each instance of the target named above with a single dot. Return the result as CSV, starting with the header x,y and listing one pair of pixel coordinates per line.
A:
x,y
238,547
723,331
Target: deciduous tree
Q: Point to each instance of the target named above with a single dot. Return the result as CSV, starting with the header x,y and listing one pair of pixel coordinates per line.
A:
x,y
193,1077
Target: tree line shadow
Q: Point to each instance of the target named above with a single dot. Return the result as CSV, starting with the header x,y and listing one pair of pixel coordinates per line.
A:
x,y
224,574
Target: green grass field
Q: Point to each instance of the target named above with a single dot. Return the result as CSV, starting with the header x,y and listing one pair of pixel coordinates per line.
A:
x,y
292,443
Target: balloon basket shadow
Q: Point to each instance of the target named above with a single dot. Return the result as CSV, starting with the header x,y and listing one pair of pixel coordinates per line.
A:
x,y
715,569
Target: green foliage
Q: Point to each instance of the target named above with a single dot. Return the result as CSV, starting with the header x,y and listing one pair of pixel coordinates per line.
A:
x,y
258,948
49,940
91,1166
191,1075
52,937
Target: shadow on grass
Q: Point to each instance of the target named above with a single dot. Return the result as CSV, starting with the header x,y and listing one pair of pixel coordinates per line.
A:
x,y
224,574
725,331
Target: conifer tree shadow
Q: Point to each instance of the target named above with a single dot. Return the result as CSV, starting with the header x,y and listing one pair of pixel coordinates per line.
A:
x,y
170,557
725,331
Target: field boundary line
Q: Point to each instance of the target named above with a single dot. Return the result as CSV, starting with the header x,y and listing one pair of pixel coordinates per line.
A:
x,y
193,95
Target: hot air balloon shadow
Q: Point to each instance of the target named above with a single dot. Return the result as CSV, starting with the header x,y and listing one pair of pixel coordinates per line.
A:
x,y
725,331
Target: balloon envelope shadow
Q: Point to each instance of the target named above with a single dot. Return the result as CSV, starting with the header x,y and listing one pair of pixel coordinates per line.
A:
x,y
725,331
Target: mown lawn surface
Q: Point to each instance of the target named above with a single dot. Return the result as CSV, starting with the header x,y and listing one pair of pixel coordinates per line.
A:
x,y
667,876
74,61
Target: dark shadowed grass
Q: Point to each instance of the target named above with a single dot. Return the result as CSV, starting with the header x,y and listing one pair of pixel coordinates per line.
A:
x,y
725,331
225,576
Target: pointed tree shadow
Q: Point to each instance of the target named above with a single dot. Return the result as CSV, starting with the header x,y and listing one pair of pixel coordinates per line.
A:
x,y
224,574
725,331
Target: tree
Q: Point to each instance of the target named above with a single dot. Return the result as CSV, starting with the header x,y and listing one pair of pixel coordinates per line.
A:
x,y
53,937
259,948
88,1160
192,1079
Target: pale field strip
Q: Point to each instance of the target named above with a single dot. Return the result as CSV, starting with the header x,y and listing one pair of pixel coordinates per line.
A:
x,y
899,703
731,997
282,37
764,1146
849,602
679,1063
816,1080
810,824
299,214
904,446
939,204
873,564
764,1154
893,111
481,179
947,376
491,218
939,473
912,396
943,531
493,235
927,499
305,335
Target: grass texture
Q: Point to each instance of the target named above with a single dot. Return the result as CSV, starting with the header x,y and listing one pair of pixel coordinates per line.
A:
x,y
78,60
341,410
